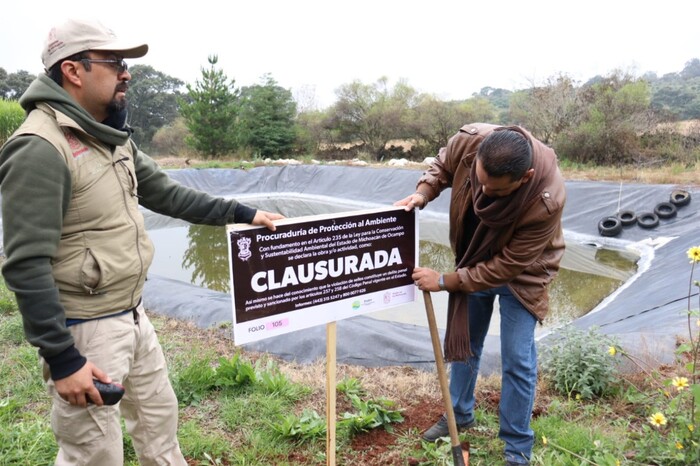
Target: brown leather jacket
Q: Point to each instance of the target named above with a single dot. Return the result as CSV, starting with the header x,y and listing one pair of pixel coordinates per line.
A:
x,y
526,256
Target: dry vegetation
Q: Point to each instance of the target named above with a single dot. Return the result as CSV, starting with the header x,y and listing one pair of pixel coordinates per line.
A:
x,y
658,174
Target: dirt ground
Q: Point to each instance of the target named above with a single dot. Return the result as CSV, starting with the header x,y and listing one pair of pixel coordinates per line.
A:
x,y
415,392
374,446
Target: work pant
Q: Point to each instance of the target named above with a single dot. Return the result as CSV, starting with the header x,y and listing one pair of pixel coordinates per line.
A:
x,y
519,369
127,349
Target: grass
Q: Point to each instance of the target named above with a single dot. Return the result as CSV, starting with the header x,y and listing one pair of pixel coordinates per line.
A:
x,y
226,417
242,423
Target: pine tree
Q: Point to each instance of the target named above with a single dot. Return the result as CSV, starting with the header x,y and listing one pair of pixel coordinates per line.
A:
x,y
266,119
210,110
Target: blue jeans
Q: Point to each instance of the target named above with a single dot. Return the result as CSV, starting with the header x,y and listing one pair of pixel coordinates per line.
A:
x,y
519,369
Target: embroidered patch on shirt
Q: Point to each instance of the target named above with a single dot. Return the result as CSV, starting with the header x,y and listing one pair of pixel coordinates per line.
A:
x,y
76,147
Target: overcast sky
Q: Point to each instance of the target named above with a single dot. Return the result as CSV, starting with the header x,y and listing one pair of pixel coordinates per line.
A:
x,y
443,47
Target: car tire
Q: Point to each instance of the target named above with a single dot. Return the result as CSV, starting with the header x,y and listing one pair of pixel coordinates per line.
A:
x,y
680,197
665,210
609,226
627,217
648,220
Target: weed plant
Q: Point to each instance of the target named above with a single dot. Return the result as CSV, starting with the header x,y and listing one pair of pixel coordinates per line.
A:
x,y
670,435
662,412
369,414
576,363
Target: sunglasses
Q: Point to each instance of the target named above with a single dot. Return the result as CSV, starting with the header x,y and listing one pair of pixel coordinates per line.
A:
x,y
119,65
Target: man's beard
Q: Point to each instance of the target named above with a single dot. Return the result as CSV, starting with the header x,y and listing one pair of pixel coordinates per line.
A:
x,y
116,114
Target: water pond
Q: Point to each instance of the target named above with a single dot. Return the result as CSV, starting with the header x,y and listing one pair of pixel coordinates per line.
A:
x,y
198,255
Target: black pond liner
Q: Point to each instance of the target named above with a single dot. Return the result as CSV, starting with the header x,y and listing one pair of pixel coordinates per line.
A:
x,y
645,314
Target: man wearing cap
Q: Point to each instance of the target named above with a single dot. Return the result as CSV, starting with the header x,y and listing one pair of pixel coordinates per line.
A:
x,y
77,251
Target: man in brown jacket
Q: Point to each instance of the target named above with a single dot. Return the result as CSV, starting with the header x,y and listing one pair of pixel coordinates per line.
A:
x,y
505,231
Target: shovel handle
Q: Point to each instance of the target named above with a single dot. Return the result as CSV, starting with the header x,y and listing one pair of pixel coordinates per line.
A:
x,y
460,457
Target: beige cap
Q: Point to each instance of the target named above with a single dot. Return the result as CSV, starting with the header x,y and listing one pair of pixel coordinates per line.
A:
x,y
76,36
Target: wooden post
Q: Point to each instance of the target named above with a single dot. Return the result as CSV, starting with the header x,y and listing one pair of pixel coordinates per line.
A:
x,y
330,392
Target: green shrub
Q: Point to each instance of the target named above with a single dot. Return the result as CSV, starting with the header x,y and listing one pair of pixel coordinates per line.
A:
x,y
304,428
350,386
11,117
234,372
578,363
195,382
271,380
370,414
170,140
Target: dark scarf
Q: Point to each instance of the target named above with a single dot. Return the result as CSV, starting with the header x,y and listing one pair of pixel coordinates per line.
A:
x,y
117,119
44,90
495,215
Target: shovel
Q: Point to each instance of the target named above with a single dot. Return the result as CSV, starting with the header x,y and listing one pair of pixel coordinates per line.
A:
x,y
459,457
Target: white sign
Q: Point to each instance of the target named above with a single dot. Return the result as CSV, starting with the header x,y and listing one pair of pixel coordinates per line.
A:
x,y
319,269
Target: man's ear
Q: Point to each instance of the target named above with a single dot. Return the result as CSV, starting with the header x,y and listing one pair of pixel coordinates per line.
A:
x,y
528,175
71,72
